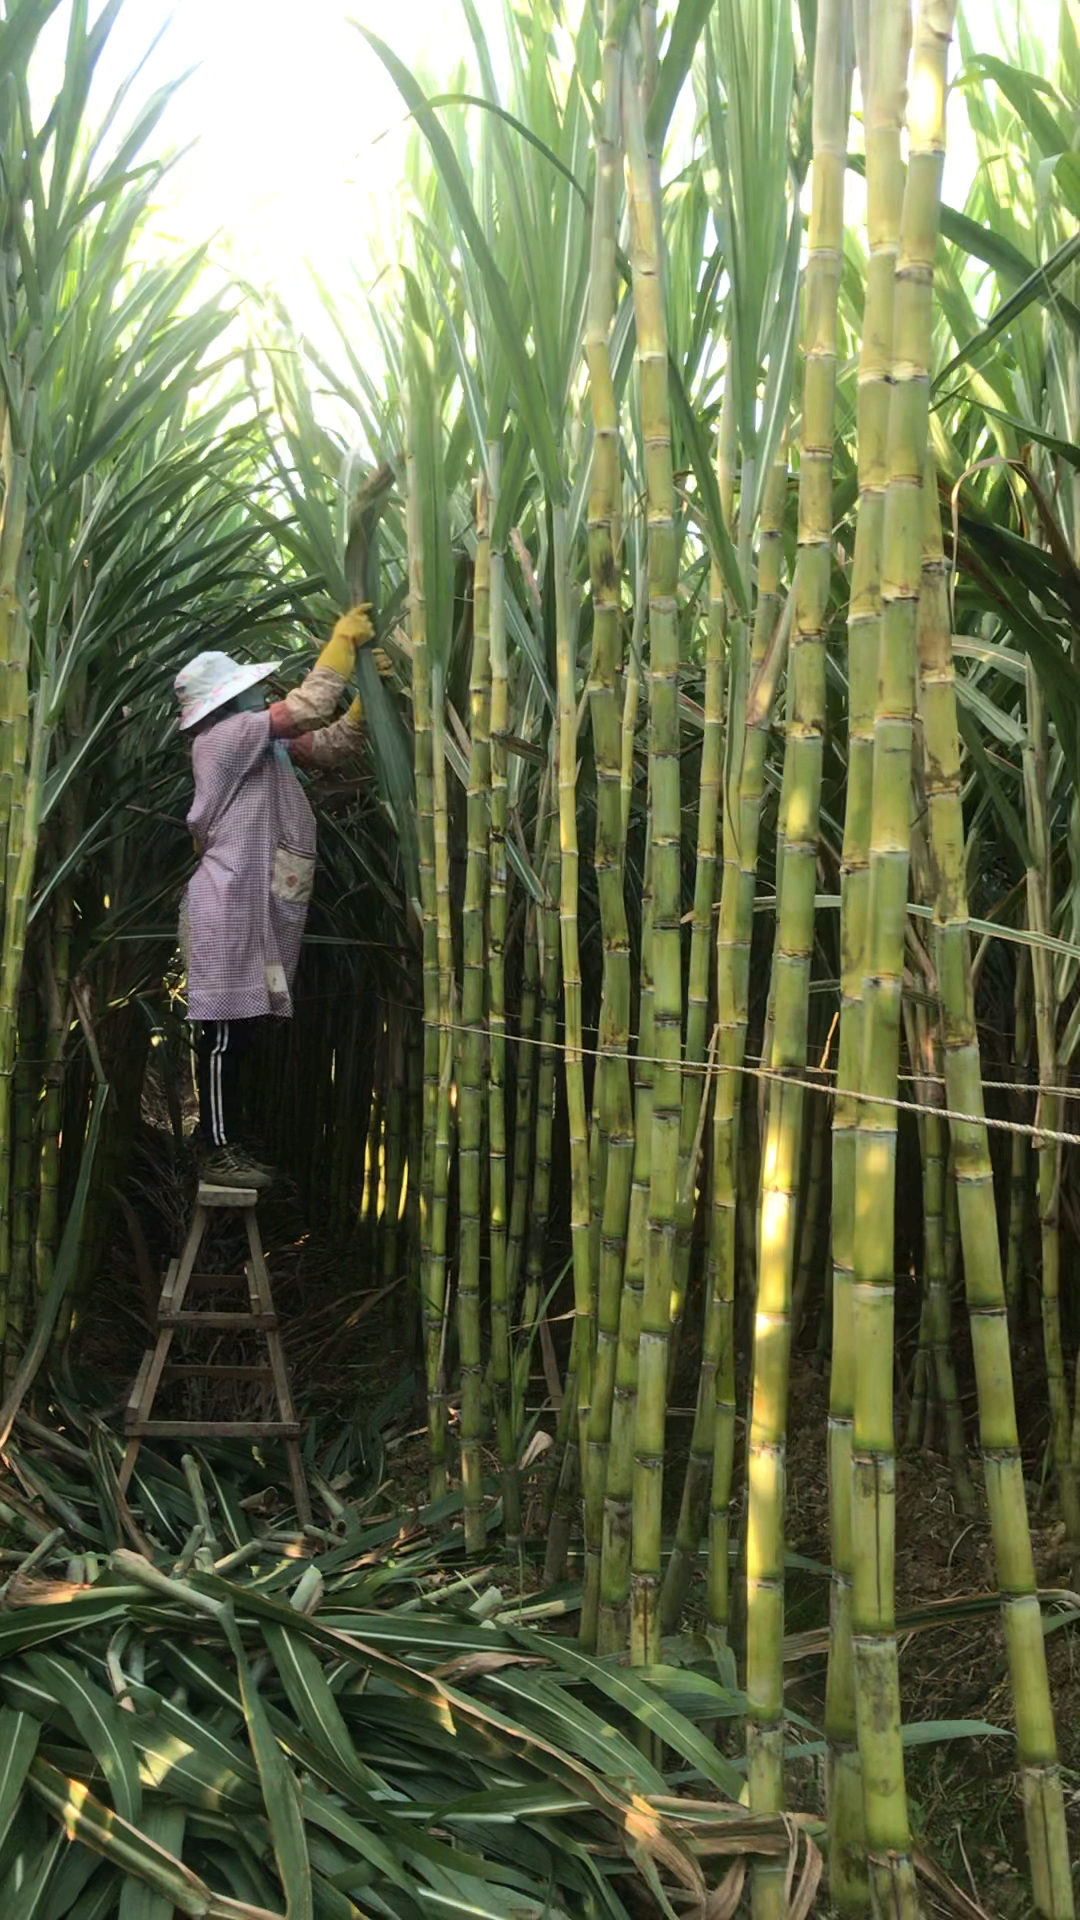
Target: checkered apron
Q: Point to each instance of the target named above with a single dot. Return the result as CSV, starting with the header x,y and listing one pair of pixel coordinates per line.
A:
x,y
247,902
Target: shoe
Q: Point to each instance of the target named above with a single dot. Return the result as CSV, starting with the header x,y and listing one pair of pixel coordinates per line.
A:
x,y
230,1167
251,1151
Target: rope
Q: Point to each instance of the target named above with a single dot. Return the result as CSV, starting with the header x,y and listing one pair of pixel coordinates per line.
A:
x,y
757,1071
1069,1092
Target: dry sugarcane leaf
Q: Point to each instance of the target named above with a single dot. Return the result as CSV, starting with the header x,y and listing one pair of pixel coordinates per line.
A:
x,y
813,1867
723,1902
648,1832
947,1889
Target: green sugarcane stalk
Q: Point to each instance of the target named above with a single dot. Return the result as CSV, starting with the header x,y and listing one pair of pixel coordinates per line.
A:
x,y
524,1117
712,1447
395,1149
536,1255
1003,1471
1040,905
613,1629
809,1269
696,1083
431,1304
414,1141
1020,1158
877,1690
437,1285
612,1099
471,1048
27,1091
803,752
926,1065
573,1056
646,259
733,1000
52,1112
501,1283
19,793
884,79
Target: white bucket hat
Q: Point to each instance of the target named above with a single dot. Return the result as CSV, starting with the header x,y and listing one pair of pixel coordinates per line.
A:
x,y
211,680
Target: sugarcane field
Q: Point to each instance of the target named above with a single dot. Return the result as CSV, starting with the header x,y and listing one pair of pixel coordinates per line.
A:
x,y
539,960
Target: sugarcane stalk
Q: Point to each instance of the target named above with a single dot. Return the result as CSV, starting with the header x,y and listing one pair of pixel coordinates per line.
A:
x,y
27,1088
712,1447
395,1147
613,1160
431,1301
1040,905
938,1357
1003,1471
524,1117
803,751
536,1254
614,1620
877,1690
471,1048
646,260
884,78
498,1224
808,1270
52,1112
740,838
1020,1155
573,1055
437,1285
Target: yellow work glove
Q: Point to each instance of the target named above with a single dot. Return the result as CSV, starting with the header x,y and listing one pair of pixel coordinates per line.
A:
x,y
355,715
354,629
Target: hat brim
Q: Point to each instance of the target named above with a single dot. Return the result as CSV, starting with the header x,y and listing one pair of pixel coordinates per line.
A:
x,y
237,682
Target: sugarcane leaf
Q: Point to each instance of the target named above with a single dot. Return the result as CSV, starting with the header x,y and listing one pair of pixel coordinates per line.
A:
x,y
281,1792
193,1772
36,1625
529,393
63,1271
635,1697
165,1826
24,1891
519,127
19,1734
100,1898
84,1818
301,1674
323,1812
705,478
1027,93
68,1885
100,1722
686,30
1035,287
577,1728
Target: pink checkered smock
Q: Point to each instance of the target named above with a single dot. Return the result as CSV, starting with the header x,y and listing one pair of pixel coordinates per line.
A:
x,y
247,902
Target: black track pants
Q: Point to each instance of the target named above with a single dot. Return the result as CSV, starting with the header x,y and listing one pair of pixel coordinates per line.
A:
x,y
222,1045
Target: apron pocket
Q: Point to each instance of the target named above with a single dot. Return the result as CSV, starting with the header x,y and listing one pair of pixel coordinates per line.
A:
x,y
293,876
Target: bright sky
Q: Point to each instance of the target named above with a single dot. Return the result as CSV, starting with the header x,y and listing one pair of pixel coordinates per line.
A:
x,y
300,133
286,105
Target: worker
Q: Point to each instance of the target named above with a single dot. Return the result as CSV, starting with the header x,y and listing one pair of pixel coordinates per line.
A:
x,y
242,918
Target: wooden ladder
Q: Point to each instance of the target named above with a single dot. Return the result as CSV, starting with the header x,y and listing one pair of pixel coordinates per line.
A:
x,y
172,1315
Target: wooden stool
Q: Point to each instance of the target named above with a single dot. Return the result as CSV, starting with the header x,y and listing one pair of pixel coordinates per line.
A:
x,y
259,1313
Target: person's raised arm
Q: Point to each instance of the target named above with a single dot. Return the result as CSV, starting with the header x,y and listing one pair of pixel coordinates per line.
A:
x,y
315,701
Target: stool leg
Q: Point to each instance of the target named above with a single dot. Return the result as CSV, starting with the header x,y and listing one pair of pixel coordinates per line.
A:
x,y
127,1464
